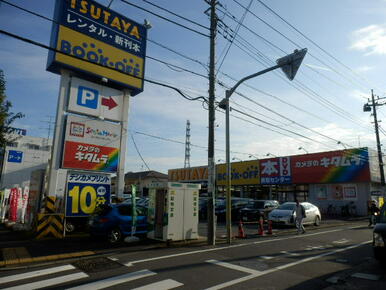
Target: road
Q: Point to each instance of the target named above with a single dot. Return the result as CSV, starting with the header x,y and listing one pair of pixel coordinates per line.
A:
x,y
326,258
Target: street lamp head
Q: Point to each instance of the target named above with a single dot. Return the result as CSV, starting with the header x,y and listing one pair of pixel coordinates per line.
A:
x,y
223,104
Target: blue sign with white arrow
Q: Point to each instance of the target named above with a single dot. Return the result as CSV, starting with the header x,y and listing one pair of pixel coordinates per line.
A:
x,y
15,156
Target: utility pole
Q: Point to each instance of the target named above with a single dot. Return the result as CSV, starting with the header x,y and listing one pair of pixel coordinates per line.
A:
x,y
367,108
211,236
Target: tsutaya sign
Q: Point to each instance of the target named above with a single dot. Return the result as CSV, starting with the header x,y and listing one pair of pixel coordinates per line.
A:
x,y
91,144
95,100
98,42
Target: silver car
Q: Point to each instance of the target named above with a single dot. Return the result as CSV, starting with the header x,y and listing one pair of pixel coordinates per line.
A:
x,y
285,214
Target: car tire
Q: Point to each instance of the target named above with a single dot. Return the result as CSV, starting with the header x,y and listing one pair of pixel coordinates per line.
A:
x,y
115,236
69,227
317,221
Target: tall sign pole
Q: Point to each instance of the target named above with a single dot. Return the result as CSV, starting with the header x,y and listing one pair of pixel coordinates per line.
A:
x,y
211,163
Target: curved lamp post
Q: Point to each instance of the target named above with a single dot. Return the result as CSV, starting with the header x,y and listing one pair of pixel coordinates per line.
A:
x,y
289,65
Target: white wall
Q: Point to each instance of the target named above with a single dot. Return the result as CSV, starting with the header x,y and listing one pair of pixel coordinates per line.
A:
x,y
14,173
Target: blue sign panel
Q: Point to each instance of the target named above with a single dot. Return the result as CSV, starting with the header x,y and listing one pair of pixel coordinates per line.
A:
x,y
85,192
15,156
98,42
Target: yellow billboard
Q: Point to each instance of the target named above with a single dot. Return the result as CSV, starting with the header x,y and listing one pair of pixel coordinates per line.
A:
x,y
192,174
242,173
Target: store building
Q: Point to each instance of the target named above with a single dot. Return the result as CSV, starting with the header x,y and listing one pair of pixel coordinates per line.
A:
x,y
331,180
23,155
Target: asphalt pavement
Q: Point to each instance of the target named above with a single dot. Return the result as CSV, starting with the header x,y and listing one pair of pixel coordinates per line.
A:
x,y
334,256
20,249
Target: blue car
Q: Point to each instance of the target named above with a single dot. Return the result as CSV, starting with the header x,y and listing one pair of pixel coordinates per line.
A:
x,y
114,221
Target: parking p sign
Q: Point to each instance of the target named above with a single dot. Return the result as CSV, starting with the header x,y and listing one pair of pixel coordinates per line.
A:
x,y
95,100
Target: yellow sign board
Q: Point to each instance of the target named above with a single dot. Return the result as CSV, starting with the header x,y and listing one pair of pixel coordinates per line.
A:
x,y
242,173
188,174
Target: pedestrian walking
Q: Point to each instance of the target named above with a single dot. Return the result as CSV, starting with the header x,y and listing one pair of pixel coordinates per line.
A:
x,y
300,215
374,210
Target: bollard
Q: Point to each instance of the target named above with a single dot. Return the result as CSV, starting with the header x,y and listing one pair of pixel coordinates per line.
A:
x,y
269,232
261,227
242,234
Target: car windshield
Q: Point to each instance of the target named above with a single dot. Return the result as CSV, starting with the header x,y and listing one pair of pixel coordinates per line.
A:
x,y
287,206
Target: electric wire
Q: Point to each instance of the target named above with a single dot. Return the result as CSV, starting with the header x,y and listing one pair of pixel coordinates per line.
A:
x,y
164,18
314,43
141,78
175,14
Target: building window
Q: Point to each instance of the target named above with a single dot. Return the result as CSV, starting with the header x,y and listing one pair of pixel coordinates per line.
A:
x,y
32,146
12,144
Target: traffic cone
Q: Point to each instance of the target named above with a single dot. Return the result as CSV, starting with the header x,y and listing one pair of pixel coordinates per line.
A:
x,y
269,232
242,234
261,227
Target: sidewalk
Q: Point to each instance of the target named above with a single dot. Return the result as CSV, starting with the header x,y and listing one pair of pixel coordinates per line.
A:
x,y
19,249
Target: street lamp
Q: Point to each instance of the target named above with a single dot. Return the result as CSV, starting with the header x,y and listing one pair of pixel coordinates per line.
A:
x,y
301,148
221,160
270,154
289,65
236,158
251,155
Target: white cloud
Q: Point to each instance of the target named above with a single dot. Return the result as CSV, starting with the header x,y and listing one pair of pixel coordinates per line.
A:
x,y
317,67
364,68
370,39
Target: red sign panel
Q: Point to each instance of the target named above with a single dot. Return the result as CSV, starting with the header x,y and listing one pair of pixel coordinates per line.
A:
x,y
90,157
350,165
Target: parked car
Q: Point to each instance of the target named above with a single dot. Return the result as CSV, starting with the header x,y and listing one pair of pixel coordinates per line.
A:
x,y
115,221
379,236
237,203
285,214
256,208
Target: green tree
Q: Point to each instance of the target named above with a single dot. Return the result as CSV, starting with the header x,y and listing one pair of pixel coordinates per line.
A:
x,y
6,117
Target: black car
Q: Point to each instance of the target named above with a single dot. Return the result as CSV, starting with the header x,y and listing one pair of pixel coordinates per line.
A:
x,y
237,203
379,235
257,208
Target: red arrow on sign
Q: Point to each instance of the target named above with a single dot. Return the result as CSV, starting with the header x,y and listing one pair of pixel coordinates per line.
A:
x,y
109,102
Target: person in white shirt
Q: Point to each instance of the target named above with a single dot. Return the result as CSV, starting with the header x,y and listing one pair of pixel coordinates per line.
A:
x,y
300,215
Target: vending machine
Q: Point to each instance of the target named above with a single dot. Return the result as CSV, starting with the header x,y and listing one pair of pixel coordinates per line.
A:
x,y
173,211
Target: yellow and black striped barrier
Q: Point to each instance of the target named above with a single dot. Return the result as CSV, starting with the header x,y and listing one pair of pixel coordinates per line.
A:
x,y
50,225
50,204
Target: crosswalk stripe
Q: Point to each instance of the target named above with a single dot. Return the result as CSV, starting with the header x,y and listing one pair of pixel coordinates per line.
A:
x,y
234,267
49,282
35,273
162,285
115,280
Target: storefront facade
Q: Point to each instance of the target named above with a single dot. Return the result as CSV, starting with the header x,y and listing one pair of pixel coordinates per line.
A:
x,y
333,180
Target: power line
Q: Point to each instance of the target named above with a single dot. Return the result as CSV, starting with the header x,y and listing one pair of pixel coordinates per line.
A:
x,y
165,18
175,14
141,78
313,42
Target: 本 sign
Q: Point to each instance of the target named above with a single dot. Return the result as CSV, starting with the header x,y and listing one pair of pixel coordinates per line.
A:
x,y
91,144
95,100
15,156
275,171
85,192
97,42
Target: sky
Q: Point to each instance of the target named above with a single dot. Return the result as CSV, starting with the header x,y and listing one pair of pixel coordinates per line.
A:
x,y
320,110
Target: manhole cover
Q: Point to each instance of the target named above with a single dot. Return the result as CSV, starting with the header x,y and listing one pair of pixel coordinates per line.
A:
x,y
96,265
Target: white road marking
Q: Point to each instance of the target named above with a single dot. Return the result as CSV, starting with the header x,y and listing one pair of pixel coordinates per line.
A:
x,y
128,264
366,276
162,285
234,267
35,273
49,282
116,280
275,269
266,257
342,241
112,259
289,253
333,279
